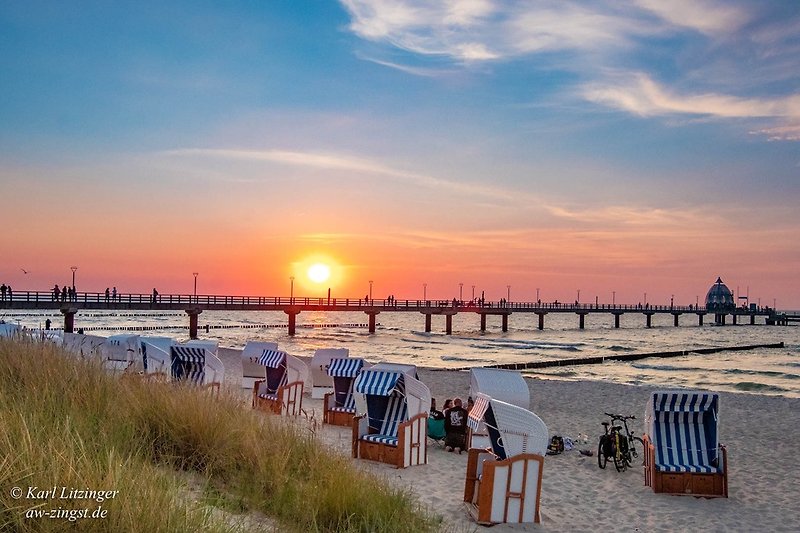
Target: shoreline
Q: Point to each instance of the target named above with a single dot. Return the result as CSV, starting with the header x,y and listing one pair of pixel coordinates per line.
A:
x,y
760,432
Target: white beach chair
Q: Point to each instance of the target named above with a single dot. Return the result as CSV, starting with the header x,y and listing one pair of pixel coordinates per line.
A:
x,y
252,370
122,353
391,422
505,385
682,450
503,484
281,391
156,359
321,381
339,405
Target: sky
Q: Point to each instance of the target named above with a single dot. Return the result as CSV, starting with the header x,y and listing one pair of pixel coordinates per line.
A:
x,y
614,148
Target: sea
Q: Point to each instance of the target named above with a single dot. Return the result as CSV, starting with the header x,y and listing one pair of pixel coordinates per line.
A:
x,y
401,337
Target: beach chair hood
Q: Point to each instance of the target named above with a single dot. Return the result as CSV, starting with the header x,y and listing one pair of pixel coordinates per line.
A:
x,y
505,385
512,429
375,382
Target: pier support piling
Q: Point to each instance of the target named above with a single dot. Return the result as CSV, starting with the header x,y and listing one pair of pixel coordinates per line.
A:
x,y
448,324
483,321
649,319
292,312
193,314
675,316
700,319
734,319
69,319
582,320
505,322
372,315
427,322
616,319
752,320
541,320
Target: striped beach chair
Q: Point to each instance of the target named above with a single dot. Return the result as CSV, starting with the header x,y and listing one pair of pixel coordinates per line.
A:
x,y
252,370
196,366
503,482
391,425
682,450
339,406
281,391
321,380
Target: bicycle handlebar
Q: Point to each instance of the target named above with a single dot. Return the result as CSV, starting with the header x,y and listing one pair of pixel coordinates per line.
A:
x,y
620,417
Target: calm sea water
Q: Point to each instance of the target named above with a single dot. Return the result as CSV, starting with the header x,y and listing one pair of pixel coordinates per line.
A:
x,y
401,338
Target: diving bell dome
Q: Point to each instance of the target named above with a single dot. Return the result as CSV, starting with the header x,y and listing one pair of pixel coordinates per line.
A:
x,y
719,297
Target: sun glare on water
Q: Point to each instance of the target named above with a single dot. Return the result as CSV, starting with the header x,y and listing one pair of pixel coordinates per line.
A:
x,y
319,272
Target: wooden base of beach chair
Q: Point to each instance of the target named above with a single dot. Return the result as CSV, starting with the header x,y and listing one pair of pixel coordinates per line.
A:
x,y
335,418
288,399
680,483
411,449
503,491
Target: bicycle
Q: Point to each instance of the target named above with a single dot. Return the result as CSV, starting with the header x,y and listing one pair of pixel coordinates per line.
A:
x,y
619,447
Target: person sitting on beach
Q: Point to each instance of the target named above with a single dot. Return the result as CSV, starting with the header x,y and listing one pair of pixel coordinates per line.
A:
x,y
455,427
448,404
435,414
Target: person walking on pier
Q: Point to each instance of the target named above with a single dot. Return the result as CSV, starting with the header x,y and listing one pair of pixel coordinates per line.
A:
x,y
108,293
56,293
3,292
114,294
155,295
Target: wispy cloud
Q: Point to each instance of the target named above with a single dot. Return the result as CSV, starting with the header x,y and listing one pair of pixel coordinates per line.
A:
x,y
709,17
639,94
338,162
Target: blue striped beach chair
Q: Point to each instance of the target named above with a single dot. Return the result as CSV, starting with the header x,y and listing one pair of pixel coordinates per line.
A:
x,y
196,366
281,392
392,425
503,482
339,406
682,450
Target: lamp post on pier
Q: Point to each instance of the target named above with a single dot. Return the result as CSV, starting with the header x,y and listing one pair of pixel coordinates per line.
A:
x,y
73,268
473,292
291,289
425,292
508,294
537,294
370,290
578,301
460,291
613,298
195,285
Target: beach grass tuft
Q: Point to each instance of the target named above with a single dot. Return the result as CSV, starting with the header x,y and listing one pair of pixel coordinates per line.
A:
x,y
65,422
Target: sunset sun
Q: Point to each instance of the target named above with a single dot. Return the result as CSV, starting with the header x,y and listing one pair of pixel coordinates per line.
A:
x,y
319,272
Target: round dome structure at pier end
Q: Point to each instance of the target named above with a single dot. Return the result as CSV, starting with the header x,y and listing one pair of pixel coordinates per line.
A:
x,y
719,297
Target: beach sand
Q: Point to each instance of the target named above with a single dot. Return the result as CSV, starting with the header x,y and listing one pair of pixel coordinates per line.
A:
x,y
760,432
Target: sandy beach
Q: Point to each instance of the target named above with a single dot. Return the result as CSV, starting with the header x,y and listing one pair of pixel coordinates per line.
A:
x,y
760,432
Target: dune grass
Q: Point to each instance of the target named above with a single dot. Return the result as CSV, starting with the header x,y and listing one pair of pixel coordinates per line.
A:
x,y
66,423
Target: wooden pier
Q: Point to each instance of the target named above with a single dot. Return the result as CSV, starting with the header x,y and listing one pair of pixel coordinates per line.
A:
x,y
194,305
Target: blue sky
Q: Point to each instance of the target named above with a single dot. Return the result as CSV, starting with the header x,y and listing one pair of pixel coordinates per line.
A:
x,y
489,128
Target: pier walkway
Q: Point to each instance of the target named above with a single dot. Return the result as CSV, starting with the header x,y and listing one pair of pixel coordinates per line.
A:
x,y
194,305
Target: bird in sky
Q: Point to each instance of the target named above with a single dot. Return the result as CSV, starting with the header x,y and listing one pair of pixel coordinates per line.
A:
x,y
24,271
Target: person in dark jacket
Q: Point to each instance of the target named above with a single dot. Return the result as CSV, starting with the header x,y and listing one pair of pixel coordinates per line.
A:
x,y
455,427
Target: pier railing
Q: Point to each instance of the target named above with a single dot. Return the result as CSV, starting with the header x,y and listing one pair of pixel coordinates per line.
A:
x,y
19,299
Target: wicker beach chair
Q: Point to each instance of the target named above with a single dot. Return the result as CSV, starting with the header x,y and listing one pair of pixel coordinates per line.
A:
x,y
252,370
339,405
321,379
505,385
503,482
682,450
281,391
197,366
391,423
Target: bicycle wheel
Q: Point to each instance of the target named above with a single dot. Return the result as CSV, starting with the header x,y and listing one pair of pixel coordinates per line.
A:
x,y
635,444
602,458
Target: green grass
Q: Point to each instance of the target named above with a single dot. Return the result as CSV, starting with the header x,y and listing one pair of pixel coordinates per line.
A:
x,y
67,423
